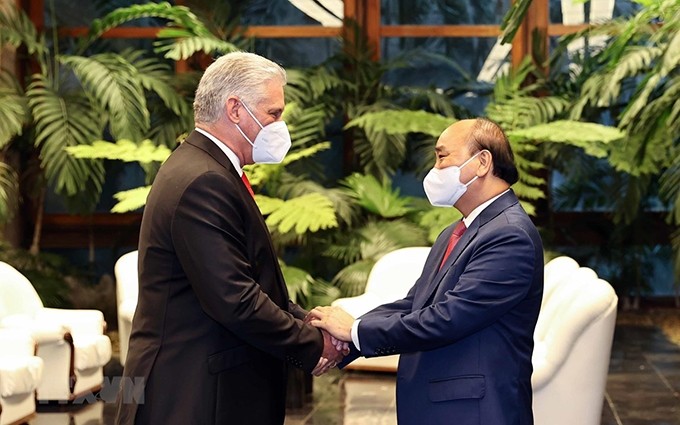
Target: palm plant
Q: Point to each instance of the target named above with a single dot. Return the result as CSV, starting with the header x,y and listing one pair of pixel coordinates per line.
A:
x,y
71,100
635,81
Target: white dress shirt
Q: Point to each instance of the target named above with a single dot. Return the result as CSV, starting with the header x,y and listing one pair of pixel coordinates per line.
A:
x,y
228,152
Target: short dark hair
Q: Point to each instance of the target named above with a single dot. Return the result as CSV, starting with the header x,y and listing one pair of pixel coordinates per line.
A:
x,y
488,135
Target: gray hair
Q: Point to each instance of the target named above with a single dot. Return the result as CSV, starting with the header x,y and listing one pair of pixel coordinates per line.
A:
x,y
240,74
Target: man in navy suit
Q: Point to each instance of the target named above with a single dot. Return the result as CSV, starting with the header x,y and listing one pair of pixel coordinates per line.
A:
x,y
465,330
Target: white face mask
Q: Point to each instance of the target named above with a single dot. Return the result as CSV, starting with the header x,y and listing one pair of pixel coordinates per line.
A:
x,y
443,186
271,143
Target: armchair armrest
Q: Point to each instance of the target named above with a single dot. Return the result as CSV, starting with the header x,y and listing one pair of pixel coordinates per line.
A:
x,y
16,343
41,330
77,321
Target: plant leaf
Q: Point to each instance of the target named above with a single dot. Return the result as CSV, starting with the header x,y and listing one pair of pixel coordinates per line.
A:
x,y
122,150
307,213
131,200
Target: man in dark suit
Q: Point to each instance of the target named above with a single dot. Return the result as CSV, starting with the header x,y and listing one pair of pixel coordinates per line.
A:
x,y
465,330
214,330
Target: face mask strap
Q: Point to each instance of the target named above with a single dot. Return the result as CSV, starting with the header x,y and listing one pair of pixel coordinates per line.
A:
x,y
251,114
244,135
471,158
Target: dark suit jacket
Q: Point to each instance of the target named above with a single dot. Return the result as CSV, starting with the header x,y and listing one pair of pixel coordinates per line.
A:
x,y
465,332
214,328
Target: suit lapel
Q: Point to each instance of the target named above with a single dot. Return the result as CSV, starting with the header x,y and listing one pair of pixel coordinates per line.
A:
x,y
437,275
198,140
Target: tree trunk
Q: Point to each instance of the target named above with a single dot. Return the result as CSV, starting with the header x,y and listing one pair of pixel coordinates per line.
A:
x,y
37,229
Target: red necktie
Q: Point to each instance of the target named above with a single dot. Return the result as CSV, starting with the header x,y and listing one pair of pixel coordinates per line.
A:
x,y
247,183
455,236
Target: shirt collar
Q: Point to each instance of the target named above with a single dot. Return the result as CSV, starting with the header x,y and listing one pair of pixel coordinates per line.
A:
x,y
230,154
475,213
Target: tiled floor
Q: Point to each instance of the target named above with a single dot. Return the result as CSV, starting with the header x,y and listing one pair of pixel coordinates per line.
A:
x,y
643,387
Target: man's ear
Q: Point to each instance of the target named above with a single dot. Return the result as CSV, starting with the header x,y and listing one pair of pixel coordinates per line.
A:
x,y
233,107
485,163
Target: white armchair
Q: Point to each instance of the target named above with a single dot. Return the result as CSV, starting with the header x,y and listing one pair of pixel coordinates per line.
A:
x,y
71,343
20,373
573,340
390,279
127,288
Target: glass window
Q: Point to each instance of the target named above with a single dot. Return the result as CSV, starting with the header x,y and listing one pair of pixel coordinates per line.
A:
x,y
69,13
285,12
444,63
573,12
443,12
296,52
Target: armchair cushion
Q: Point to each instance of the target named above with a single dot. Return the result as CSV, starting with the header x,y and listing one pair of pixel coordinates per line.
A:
x,y
91,351
19,375
20,369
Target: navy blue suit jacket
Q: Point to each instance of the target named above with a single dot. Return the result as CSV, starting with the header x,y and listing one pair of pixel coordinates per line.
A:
x,y
465,331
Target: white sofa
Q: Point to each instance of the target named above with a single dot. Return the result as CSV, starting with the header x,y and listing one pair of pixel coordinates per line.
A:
x,y
573,340
71,343
390,279
20,373
127,289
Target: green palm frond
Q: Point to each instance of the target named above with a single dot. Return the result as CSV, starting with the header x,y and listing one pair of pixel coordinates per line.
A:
x,y
131,200
307,85
323,293
513,19
663,111
9,192
298,281
293,186
376,198
514,83
591,137
17,29
114,83
347,249
178,15
307,213
380,237
635,60
669,62
13,108
436,100
382,155
352,279
156,77
521,111
372,241
306,125
122,150
62,121
384,147
397,122
182,43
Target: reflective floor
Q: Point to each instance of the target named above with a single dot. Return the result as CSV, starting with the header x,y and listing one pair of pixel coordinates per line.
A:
x,y
643,387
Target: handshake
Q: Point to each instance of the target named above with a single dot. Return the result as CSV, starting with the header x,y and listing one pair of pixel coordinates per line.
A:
x,y
336,327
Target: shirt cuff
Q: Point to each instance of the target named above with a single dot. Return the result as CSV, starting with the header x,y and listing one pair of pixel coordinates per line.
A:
x,y
355,334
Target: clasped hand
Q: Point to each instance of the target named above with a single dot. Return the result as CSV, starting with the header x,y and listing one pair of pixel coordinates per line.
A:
x,y
335,324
